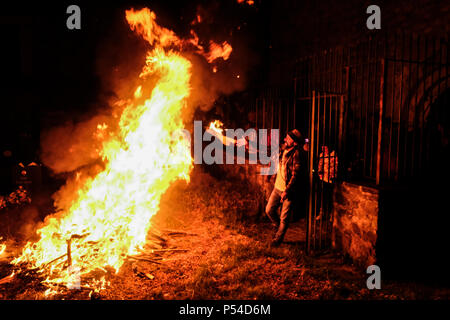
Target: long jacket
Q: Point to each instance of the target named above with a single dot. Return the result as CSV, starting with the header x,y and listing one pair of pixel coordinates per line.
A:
x,y
291,169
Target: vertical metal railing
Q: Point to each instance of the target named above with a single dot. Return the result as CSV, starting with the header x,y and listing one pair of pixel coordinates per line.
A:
x,y
311,176
326,140
392,93
390,85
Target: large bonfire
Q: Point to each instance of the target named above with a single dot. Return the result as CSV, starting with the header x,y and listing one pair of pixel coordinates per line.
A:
x,y
111,214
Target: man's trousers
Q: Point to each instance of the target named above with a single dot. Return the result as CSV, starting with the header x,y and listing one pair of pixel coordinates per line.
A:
x,y
282,221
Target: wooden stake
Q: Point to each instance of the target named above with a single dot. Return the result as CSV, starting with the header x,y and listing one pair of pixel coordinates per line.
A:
x,y
173,232
54,260
144,259
69,255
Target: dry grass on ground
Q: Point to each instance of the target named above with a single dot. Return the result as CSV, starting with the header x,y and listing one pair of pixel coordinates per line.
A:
x,y
228,257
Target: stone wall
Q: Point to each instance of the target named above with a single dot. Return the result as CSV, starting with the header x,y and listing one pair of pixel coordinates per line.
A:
x,y
355,222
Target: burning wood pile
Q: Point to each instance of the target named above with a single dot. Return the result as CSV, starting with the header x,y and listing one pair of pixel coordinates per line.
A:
x,y
109,219
155,251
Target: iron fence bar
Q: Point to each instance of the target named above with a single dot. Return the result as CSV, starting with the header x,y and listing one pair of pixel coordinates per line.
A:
x,y
350,122
331,141
405,163
446,68
374,91
311,165
430,114
440,69
437,89
322,209
400,107
416,93
447,71
318,136
332,137
328,105
335,145
391,127
294,102
326,142
344,124
335,63
422,127
359,97
322,134
380,118
439,79
365,94
339,152
341,125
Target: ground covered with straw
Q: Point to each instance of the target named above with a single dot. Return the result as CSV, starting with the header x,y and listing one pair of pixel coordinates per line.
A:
x,y
209,248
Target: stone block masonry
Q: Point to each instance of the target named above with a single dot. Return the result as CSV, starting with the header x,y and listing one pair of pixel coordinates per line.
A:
x,y
355,222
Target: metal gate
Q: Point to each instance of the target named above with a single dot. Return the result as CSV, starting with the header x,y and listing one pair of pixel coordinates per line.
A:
x,y
326,130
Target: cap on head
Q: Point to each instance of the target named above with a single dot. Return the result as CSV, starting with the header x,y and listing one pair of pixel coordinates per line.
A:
x,y
296,136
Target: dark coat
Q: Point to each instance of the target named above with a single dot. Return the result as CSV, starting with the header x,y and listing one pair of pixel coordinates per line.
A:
x,y
292,170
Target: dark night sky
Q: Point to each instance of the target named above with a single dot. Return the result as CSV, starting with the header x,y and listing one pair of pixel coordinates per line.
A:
x,y
51,74
67,59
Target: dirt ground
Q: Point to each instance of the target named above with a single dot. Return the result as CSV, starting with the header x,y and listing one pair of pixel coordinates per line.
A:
x,y
214,250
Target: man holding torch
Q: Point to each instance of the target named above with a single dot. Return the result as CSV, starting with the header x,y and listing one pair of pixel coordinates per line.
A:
x,y
284,190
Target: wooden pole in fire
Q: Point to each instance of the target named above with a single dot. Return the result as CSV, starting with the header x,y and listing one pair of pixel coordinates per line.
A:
x,y
69,255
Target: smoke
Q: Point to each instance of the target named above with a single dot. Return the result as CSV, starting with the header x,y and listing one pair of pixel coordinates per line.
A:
x,y
75,144
208,86
20,223
30,220
74,147
210,81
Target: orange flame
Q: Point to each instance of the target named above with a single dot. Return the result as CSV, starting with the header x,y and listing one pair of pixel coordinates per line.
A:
x,y
218,51
215,128
111,216
144,23
138,92
2,247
